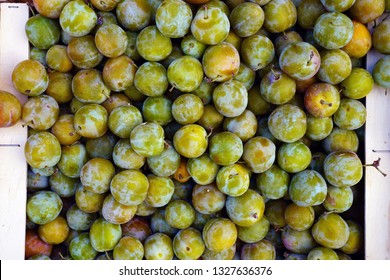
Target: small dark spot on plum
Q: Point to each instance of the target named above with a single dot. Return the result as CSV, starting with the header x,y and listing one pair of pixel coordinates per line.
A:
x,y
27,91
188,249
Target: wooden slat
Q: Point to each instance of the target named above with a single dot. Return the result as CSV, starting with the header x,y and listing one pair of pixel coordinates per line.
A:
x,y
13,168
377,192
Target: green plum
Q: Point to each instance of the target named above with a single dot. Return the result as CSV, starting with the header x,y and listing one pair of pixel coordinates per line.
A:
x,y
160,191
293,157
165,164
277,87
134,15
88,86
381,72
190,141
246,19
308,12
210,25
322,253
147,139
185,73
203,169
273,183
350,115
257,51
188,244
115,212
42,150
244,125
343,168
83,53
77,18
308,188
29,77
80,248
358,84
90,121
173,18
299,217
179,214
219,234
233,180
152,45
230,98
287,123
261,250
42,32
259,154
158,246
128,248
43,207
123,119
280,15
207,199
335,66
300,60
40,112
118,73
240,214
225,148
331,231
129,187
187,108
125,157
333,30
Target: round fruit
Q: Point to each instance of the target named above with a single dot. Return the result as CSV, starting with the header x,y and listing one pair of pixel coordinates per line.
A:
x,y
299,217
80,248
179,214
333,30
322,100
242,215
355,239
88,86
219,234
147,139
44,207
300,242
54,232
343,168
351,114
277,88
230,98
152,45
381,72
158,247
233,180
125,157
134,15
366,11
173,18
358,84
91,121
104,235
210,25
42,32
262,250
259,154
151,87
118,73
318,128
221,62
361,41
123,119
42,149
188,244
83,53
273,183
293,157
129,187
331,231
246,19
287,123
128,248
225,148
185,73
77,18
187,108
322,253
10,109
300,61
308,188
160,191
29,77
116,213
203,169
280,15
257,51
190,141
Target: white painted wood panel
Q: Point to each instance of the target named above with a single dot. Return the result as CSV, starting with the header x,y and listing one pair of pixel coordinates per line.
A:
x,y
377,187
14,48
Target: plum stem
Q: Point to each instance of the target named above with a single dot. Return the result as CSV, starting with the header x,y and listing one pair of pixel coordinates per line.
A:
x,y
166,144
206,14
211,132
324,102
107,255
276,75
376,164
27,123
232,175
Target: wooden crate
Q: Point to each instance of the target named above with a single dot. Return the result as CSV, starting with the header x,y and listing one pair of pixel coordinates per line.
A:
x,y
14,48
